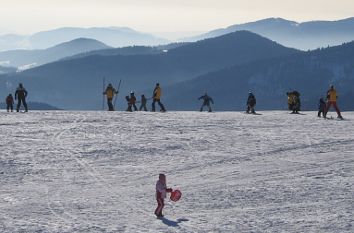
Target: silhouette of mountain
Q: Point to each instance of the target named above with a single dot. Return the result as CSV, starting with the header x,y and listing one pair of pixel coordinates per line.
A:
x,y
112,36
310,73
130,50
20,58
77,83
307,35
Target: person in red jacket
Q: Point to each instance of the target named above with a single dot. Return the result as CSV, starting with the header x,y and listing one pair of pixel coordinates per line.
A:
x,y
161,190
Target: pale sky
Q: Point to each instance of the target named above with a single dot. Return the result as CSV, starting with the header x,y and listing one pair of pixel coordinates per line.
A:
x,y
29,16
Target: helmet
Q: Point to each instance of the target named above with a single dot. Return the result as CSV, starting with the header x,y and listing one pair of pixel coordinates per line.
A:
x,y
157,84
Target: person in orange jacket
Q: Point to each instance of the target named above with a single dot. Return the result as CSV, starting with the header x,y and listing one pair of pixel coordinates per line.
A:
x,y
161,190
156,95
332,100
110,92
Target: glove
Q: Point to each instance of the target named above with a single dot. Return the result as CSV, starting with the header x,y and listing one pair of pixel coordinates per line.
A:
x,y
169,190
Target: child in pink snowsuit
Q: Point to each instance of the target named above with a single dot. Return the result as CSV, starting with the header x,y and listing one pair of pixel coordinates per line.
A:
x,y
161,190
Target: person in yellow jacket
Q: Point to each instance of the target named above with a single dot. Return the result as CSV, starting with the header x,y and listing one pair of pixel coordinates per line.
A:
x,y
156,95
110,92
332,100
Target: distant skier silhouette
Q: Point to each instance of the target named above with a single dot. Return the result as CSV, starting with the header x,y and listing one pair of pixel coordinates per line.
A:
x,y
332,100
132,101
251,103
143,102
156,95
110,92
20,96
321,107
9,103
206,102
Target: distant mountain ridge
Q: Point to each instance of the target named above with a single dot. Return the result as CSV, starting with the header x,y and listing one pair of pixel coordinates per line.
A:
x,y
20,58
307,35
77,83
112,36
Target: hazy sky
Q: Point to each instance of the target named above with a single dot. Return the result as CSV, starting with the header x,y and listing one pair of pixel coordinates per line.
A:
x,y
28,16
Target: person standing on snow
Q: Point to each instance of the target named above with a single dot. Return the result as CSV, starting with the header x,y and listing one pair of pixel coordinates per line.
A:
x,y
132,101
206,102
332,100
156,95
110,92
161,190
21,95
9,103
143,102
251,102
321,107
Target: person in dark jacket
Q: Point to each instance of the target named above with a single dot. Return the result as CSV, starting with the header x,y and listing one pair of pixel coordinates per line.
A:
x,y
321,107
251,103
21,95
161,190
143,102
206,102
129,109
9,103
132,101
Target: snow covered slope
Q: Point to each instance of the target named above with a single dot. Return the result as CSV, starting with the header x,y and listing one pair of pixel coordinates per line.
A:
x,y
96,172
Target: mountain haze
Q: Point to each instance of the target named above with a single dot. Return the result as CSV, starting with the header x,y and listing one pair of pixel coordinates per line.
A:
x,y
112,36
307,35
21,58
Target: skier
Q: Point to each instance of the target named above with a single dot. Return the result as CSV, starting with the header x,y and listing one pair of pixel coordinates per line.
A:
x,y
294,101
132,101
161,190
143,103
321,107
21,95
110,92
251,102
156,98
206,102
9,103
332,100
129,109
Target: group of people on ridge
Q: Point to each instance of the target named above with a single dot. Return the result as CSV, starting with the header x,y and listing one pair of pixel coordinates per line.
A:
x,y
110,92
20,96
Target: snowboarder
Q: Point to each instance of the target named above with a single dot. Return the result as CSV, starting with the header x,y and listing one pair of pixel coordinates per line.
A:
x,y
129,109
251,102
9,103
206,102
110,92
161,190
156,98
321,107
294,101
21,95
143,103
132,101
332,100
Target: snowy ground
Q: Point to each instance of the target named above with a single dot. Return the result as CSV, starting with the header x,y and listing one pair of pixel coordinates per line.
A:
x,y
96,172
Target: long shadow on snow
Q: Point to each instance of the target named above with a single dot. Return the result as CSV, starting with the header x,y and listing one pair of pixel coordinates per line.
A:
x,y
172,223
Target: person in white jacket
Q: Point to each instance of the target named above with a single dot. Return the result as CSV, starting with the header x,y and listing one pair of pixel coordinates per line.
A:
x,y
161,190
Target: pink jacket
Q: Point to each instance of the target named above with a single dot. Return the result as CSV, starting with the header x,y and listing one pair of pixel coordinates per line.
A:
x,y
160,190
